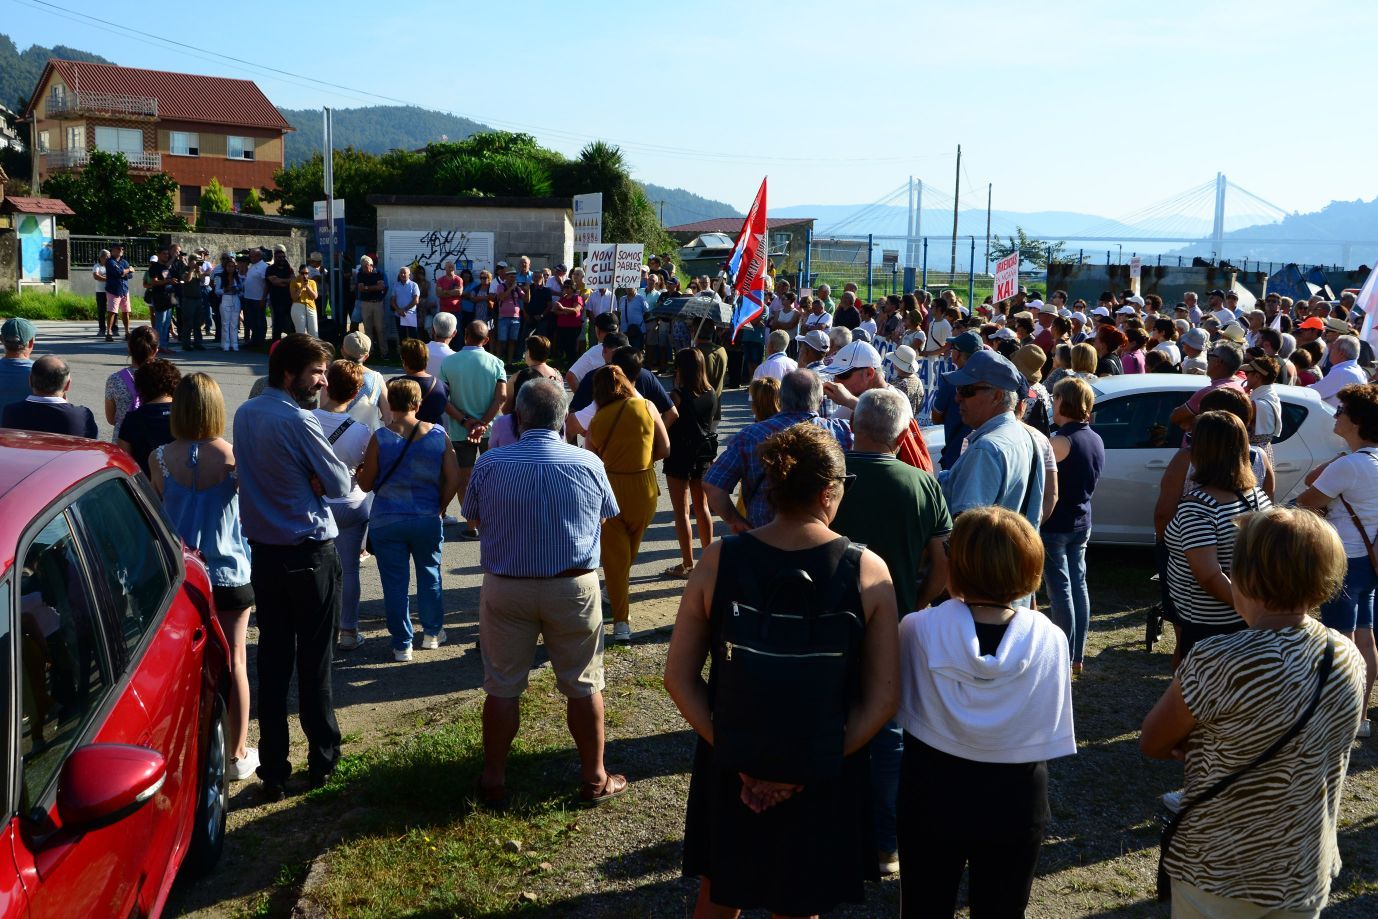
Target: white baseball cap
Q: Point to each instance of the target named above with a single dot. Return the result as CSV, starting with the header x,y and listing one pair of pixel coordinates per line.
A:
x,y
854,356
1100,311
1126,310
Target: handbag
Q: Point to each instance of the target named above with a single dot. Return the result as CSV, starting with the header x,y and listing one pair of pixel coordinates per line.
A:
x,y
1169,831
781,667
378,484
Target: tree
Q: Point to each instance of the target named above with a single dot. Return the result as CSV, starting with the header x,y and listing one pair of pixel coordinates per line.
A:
x,y
628,216
108,202
214,199
1031,251
252,203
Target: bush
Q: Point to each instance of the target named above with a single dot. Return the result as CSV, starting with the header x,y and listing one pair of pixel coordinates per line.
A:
x,y
31,304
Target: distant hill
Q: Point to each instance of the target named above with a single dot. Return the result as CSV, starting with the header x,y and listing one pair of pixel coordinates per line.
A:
x,y
375,129
19,72
1353,220
682,206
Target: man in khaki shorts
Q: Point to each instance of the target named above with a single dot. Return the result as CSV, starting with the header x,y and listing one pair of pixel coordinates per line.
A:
x,y
539,505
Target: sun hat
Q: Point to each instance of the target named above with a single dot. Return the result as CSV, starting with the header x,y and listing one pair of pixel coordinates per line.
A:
x,y
1195,339
1332,324
905,359
1234,332
817,340
1030,360
356,344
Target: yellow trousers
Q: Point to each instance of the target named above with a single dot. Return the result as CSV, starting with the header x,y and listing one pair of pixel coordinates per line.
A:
x,y
636,494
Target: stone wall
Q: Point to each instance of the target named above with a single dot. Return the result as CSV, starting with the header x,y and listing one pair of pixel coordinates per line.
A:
x,y
218,243
9,260
540,228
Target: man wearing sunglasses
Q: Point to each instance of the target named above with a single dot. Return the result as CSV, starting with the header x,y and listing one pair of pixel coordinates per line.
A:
x,y
856,369
1002,464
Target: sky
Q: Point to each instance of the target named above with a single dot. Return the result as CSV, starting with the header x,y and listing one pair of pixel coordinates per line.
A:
x,y
1102,107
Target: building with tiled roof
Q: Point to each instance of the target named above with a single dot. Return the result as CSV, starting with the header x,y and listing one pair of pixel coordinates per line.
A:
x,y
191,127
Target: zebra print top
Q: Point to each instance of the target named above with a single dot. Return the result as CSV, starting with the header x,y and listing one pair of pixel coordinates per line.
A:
x,y
1269,838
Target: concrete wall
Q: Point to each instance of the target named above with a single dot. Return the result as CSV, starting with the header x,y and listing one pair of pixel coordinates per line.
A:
x,y
1088,281
545,234
218,243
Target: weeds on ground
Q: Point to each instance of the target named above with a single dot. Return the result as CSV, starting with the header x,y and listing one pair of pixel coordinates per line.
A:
x,y
32,304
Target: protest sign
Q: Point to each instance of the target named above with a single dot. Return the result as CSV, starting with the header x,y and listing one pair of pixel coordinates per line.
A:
x,y
1006,277
628,270
600,264
588,220
1136,268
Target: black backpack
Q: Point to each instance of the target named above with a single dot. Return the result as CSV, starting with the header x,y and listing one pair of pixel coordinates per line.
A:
x,y
784,657
1038,417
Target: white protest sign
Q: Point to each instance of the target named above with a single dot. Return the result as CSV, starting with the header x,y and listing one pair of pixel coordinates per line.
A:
x,y
600,265
1007,277
588,220
1136,268
628,271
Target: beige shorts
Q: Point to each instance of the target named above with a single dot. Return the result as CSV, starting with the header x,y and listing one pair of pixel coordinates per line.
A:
x,y
565,612
114,304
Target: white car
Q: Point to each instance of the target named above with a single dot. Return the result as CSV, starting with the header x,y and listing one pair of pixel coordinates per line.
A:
x,y
1131,416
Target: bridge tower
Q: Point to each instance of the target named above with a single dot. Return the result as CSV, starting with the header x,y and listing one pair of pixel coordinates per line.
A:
x,y
1218,230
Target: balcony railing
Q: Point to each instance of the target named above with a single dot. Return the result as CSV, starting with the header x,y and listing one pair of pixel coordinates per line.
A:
x,y
76,159
92,103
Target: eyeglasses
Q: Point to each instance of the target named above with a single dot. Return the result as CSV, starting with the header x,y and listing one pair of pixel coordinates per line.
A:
x,y
846,480
1339,410
971,389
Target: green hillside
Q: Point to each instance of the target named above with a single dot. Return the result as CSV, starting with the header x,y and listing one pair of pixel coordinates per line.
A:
x,y
374,129
19,72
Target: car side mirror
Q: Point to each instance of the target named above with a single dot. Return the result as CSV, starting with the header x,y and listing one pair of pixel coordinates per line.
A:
x,y
103,783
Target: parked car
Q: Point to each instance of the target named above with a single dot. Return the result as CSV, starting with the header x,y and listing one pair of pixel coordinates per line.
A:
x,y
1132,417
114,749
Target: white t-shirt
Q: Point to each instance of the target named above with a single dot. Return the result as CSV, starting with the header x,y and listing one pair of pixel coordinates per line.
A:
x,y
775,366
785,316
349,448
938,334
1354,478
599,302
817,321
1170,348
869,325
439,350
587,363
256,281
1224,316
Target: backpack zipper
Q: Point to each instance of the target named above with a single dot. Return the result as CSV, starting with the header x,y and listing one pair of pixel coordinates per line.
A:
x,y
728,646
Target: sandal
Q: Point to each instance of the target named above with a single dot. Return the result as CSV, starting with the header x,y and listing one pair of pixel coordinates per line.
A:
x,y
598,792
492,798
678,571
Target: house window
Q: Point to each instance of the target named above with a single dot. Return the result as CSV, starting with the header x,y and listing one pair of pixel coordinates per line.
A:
x,y
57,95
240,148
120,140
43,146
76,138
184,144
237,196
190,197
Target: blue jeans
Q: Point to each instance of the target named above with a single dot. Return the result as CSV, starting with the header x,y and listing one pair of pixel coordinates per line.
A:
x,y
162,324
1352,607
417,540
887,750
353,525
1064,573
255,323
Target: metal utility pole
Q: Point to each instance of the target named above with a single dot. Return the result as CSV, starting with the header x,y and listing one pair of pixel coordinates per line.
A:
x,y
909,228
328,161
662,212
989,186
956,194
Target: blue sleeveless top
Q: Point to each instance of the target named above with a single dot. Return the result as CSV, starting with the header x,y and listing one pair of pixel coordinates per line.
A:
x,y
413,489
1076,479
207,519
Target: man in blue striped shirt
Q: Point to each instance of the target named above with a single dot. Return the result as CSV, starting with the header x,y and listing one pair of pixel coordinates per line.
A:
x,y
539,506
801,392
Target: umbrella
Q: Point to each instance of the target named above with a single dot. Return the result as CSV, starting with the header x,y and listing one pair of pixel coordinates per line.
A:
x,y
706,306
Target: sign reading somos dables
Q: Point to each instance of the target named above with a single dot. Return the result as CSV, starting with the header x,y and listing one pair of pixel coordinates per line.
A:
x,y
628,271
1006,277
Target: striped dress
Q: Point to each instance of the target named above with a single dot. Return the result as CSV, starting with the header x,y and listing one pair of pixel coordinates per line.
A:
x,y
1270,838
1202,521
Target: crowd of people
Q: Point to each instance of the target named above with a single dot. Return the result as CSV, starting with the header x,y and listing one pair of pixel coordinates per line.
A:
x,y
883,689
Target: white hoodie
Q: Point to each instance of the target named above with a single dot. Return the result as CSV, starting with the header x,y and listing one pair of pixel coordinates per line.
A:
x,y
1011,707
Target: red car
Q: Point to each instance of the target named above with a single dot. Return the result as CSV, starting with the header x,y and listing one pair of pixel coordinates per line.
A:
x,y
114,670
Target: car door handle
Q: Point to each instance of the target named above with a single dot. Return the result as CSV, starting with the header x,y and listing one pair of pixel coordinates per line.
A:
x,y
1285,467
1156,464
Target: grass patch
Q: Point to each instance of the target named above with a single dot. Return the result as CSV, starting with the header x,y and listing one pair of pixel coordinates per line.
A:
x,y
422,845
33,304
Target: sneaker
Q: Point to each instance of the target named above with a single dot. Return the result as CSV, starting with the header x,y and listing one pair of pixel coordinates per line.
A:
x,y
621,633
243,768
350,639
401,656
1173,801
468,533
450,520
1365,730
889,864
432,642
272,791
109,338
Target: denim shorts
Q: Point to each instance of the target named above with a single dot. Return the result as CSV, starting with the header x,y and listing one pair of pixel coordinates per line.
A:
x,y
1352,607
509,328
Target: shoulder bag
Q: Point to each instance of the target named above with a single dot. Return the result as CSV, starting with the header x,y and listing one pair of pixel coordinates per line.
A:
x,y
1169,831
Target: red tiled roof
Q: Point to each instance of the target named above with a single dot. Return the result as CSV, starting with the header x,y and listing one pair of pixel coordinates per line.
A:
x,y
181,96
23,205
733,224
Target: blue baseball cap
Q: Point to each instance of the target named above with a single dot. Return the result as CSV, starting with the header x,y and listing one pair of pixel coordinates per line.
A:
x,y
967,342
991,368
